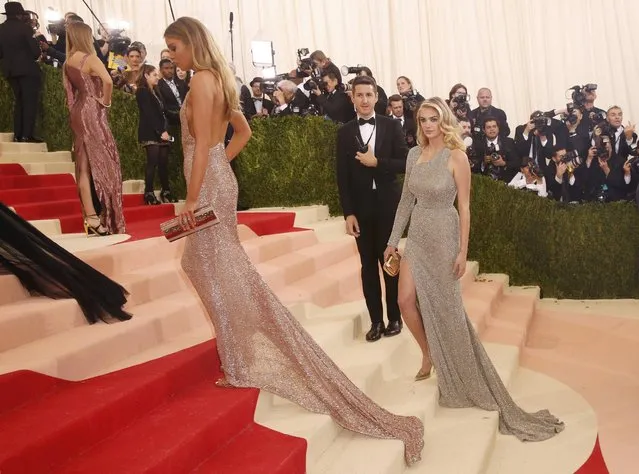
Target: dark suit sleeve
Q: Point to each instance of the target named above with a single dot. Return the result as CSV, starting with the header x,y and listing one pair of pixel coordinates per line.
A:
x,y
522,144
343,174
512,158
32,42
396,162
505,128
149,111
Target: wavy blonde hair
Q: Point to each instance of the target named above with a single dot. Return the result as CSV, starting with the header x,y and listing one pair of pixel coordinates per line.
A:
x,y
448,124
207,56
79,38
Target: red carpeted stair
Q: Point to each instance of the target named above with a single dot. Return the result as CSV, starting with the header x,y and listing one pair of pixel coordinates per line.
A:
x,y
164,416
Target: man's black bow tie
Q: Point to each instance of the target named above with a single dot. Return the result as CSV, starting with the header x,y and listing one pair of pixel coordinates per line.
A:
x,y
257,99
362,121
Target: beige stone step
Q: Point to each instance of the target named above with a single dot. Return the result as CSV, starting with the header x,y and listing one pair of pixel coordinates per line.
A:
x,y
49,227
49,168
13,147
6,137
36,157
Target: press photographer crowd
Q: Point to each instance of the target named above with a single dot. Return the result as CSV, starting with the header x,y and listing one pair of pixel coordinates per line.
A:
x,y
576,153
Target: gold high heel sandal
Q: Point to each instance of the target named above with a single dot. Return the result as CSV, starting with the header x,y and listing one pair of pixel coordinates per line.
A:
x,y
92,231
422,375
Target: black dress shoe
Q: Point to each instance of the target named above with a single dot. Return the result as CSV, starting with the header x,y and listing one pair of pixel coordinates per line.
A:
x,y
375,333
393,328
150,199
17,139
31,140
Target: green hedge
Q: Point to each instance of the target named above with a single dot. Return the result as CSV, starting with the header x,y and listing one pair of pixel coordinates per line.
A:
x,y
586,251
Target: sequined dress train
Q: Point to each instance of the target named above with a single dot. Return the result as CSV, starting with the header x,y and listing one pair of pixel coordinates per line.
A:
x,y
465,375
259,342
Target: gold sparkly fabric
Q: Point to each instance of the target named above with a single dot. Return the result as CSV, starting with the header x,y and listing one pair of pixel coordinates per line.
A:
x,y
465,375
260,343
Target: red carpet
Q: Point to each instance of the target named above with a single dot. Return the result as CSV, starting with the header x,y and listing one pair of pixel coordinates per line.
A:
x,y
595,463
164,416
56,197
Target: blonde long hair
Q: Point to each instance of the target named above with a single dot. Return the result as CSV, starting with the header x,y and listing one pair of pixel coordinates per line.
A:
x,y
79,38
447,122
206,56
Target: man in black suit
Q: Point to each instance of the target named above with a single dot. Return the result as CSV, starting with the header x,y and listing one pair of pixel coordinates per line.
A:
x,y
478,116
172,90
334,103
256,103
508,163
407,120
324,64
537,138
371,150
19,52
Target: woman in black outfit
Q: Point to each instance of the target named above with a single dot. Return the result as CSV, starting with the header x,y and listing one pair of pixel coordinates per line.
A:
x,y
45,268
153,134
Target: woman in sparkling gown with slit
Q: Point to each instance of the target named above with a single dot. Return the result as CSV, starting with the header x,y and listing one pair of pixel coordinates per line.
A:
x,y
437,171
260,343
88,88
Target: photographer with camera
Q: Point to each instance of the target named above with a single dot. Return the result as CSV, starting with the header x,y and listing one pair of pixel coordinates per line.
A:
x,y
283,96
325,65
19,52
408,121
537,138
564,175
486,109
583,99
258,104
332,99
458,101
530,178
496,156
411,97
614,143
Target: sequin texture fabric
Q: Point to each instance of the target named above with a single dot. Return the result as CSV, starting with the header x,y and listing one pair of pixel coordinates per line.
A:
x,y
465,375
260,343
93,142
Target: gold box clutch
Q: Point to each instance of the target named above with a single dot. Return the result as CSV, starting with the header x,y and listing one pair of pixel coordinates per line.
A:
x,y
204,217
391,265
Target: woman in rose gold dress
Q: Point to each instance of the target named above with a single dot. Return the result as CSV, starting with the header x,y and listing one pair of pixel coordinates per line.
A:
x,y
260,343
97,163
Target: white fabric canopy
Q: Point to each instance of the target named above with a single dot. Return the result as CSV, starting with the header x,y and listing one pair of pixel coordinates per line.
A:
x,y
527,51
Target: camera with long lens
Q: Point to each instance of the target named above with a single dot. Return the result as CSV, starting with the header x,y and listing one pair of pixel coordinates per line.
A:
x,y
269,85
410,100
494,156
459,105
579,94
346,70
541,121
315,83
571,116
305,66
601,136
572,160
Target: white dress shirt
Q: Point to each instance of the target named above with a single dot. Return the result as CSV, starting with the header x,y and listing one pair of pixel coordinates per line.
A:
x,y
367,130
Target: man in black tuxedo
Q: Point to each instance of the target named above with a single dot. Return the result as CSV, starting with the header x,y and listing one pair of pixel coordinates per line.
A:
x,y
407,120
537,138
172,90
19,51
334,103
371,150
256,103
478,116
507,165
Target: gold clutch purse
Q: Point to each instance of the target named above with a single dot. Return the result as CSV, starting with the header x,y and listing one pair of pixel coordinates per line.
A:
x,y
204,217
391,265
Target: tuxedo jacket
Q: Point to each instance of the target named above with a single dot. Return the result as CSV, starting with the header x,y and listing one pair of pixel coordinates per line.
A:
x,y
507,149
355,181
338,106
248,106
171,105
19,50
477,117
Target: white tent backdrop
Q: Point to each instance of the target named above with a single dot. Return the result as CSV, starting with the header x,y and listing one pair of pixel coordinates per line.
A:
x,y
527,51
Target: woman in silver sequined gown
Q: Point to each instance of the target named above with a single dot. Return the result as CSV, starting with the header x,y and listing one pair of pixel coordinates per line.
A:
x,y
434,260
260,343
